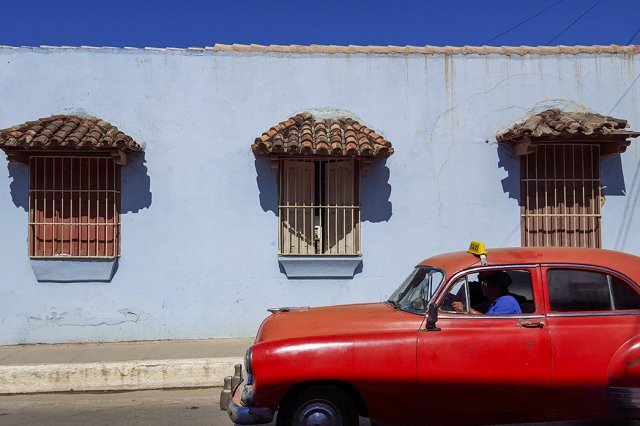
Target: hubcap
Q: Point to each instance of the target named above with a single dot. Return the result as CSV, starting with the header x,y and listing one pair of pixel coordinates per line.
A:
x,y
317,413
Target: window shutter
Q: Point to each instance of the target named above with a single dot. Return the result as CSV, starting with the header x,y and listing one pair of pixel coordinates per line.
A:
x,y
297,190
74,207
341,228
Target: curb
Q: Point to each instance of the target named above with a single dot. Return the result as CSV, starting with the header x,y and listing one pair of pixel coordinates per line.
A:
x,y
116,376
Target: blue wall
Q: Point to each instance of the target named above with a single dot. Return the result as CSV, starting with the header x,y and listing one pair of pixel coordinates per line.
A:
x,y
199,228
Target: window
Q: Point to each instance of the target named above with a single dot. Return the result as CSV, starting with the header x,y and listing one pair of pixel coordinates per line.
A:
x,y
579,290
319,207
74,205
457,293
561,195
319,161
472,296
74,194
560,191
415,293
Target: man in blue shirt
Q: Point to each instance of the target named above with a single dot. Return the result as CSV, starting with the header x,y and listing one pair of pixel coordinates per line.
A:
x,y
495,287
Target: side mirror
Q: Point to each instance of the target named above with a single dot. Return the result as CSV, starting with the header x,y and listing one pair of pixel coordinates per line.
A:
x,y
432,317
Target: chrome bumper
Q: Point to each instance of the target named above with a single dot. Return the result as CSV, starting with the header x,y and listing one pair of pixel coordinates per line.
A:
x,y
238,413
248,415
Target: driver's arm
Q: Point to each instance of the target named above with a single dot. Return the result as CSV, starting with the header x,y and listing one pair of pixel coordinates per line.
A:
x,y
459,307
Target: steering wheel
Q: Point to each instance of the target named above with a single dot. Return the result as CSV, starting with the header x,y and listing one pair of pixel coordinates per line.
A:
x,y
447,302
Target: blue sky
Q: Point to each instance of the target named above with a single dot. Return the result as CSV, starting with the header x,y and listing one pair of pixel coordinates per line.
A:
x,y
184,23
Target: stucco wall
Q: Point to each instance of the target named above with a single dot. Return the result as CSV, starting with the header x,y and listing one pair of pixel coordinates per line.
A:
x,y
199,229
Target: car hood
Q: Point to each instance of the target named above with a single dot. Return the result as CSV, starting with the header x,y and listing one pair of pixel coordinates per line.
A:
x,y
337,320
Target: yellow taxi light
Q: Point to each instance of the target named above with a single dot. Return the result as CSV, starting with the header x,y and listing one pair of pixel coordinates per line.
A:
x,y
477,248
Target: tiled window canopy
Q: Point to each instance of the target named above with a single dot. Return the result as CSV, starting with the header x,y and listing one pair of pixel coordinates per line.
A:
x,y
560,189
66,133
305,136
319,162
555,125
74,194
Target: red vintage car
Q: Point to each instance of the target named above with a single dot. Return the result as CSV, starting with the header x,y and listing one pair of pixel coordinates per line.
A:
x,y
513,335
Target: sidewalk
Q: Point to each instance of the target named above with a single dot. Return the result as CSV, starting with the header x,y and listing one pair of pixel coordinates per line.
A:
x,y
119,366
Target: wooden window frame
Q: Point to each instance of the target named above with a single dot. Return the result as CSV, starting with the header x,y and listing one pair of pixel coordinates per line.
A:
x,y
74,207
307,223
561,203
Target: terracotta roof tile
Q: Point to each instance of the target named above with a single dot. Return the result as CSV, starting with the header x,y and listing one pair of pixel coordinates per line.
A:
x,y
66,132
557,123
429,50
303,134
374,50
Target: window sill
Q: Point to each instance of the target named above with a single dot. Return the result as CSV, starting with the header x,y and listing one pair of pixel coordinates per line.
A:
x,y
320,266
63,270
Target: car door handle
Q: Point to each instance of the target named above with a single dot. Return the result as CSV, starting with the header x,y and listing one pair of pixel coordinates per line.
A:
x,y
527,324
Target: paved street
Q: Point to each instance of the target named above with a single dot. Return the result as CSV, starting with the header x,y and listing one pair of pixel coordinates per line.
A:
x,y
161,407
157,407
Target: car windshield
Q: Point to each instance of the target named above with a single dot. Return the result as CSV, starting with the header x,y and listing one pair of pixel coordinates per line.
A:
x,y
414,293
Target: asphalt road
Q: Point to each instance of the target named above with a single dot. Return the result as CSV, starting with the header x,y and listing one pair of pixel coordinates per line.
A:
x,y
158,408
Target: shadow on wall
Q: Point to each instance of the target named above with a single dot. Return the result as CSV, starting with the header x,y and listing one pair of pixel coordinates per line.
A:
x,y
136,184
19,186
631,203
611,175
267,180
511,164
374,192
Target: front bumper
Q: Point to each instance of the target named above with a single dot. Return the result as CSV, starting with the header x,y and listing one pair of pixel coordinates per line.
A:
x,y
248,415
232,396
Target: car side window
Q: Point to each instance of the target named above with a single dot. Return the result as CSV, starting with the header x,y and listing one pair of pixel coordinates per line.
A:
x,y
624,296
457,293
492,292
572,290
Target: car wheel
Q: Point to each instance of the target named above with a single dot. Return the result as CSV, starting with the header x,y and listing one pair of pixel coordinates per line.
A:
x,y
318,406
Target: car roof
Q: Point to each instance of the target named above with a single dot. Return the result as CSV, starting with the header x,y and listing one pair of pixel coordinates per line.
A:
x,y
624,263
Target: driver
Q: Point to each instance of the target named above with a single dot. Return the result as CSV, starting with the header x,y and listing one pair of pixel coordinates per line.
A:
x,y
495,287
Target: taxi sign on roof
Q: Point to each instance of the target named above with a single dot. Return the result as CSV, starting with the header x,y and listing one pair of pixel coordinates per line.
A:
x,y
477,248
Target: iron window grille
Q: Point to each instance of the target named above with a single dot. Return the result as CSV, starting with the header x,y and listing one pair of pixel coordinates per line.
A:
x,y
319,207
561,194
74,207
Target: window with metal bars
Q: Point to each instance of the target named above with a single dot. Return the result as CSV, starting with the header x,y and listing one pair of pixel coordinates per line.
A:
x,y
74,207
319,207
561,196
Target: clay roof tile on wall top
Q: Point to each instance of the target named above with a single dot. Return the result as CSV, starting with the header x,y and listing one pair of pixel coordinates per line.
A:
x,y
303,134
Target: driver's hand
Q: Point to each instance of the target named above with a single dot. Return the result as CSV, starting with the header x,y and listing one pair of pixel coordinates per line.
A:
x,y
458,306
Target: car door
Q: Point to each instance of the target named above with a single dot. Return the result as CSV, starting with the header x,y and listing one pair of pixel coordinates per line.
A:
x,y
491,368
592,312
